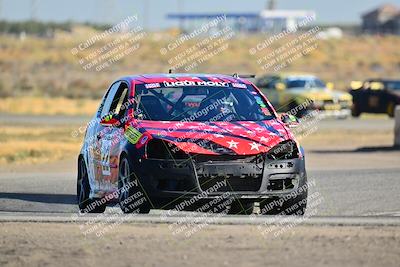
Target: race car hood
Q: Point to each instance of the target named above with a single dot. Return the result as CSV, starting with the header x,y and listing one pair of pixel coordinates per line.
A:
x,y
320,94
238,138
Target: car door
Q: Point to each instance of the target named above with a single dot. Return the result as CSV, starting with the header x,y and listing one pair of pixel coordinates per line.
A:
x,y
375,100
374,96
111,137
92,153
98,151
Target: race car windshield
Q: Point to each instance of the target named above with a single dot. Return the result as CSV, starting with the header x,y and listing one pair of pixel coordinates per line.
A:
x,y
305,83
201,103
393,85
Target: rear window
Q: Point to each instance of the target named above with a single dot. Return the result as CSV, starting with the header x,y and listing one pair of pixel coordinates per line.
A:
x,y
393,85
306,82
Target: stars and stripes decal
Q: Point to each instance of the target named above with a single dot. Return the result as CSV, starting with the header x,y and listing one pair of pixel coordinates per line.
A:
x,y
241,138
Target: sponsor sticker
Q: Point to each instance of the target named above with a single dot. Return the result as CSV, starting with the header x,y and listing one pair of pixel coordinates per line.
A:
x,y
152,85
239,85
195,83
108,118
260,102
143,140
132,135
265,111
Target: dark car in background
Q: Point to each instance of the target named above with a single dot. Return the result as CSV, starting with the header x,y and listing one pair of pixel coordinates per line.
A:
x,y
375,96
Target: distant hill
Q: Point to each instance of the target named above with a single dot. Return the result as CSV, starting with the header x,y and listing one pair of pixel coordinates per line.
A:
x,y
50,66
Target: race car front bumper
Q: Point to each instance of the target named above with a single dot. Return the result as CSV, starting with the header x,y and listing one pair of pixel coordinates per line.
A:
x,y
244,178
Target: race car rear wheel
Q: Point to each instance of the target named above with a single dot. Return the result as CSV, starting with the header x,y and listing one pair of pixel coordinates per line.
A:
x,y
86,204
132,197
241,208
355,112
390,109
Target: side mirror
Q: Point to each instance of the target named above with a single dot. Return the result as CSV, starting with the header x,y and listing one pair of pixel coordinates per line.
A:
x,y
111,120
290,120
330,85
280,86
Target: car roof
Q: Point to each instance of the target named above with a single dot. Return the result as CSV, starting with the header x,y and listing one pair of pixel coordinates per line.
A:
x,y
382,80
163,77
291,75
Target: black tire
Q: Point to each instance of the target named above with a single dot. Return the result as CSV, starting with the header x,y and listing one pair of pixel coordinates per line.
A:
x,y
290,206
241,208
132,197
391,109
355,111
86,204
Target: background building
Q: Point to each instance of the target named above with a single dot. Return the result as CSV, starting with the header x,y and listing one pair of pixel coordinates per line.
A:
x,y
268,20
383,20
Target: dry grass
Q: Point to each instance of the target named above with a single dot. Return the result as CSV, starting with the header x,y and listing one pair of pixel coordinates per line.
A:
x,y
46,67
31,145
48,106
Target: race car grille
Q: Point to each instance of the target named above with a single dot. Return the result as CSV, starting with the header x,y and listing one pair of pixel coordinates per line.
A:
x,y
199,158
230,184
229,173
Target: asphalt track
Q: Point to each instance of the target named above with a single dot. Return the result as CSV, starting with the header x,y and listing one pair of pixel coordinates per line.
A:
x,y
355,195
348,197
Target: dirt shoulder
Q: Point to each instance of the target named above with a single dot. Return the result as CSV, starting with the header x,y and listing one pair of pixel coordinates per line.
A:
x,y
41,244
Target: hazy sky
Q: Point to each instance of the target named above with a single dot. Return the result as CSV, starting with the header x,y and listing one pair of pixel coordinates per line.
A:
x,y
111,11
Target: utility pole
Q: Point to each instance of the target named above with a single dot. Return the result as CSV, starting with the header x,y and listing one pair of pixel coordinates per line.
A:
x,y
271,5
109,12
1,9
146,14
180,11
33,8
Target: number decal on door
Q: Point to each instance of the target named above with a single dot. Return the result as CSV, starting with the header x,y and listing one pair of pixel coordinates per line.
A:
x,y
105,157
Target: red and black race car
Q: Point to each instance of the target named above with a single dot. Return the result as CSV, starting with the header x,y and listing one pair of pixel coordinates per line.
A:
x,y
199,142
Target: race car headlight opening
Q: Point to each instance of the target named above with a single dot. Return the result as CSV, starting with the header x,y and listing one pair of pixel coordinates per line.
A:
x,y
159,149
317,104
284,150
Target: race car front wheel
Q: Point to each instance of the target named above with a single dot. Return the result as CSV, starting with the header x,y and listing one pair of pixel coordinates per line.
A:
x,y
86,204
132,197
391,109
355,111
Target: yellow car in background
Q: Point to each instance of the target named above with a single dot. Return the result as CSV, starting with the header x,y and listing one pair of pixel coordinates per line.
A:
x,y
301,93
